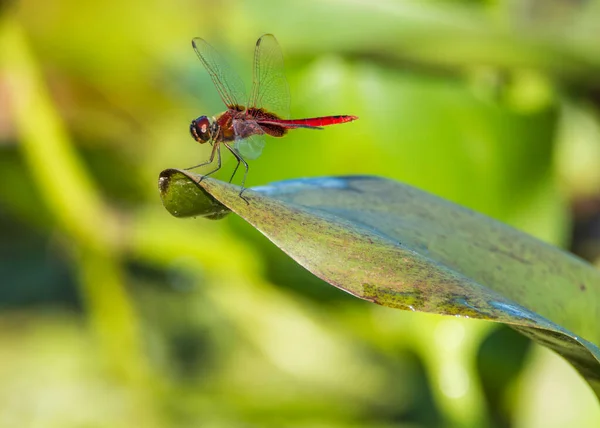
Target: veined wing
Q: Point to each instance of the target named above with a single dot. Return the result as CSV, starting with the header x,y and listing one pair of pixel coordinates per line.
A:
x,y
251,147
229,85
250,138
270,89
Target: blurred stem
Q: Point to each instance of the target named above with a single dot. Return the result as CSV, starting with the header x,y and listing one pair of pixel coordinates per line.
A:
x,y
74,201
448,347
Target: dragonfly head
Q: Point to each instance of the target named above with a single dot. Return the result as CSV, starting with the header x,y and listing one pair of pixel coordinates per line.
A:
x,y
201,129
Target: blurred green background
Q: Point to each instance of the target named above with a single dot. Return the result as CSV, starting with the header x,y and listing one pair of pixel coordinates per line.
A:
x,y
115,314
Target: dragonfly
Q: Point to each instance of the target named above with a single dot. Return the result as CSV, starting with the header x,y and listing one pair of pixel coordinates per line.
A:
x,y
248,119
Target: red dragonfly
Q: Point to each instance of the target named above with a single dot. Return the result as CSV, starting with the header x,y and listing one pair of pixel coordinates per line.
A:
x,y
242,128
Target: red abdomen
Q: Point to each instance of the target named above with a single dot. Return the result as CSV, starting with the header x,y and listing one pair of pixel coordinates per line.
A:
x,y
317,122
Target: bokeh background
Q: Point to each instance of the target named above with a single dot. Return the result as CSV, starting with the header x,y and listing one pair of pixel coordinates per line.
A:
x,y
115,314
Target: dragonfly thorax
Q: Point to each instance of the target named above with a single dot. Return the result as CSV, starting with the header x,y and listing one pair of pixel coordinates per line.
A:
x,y
203,130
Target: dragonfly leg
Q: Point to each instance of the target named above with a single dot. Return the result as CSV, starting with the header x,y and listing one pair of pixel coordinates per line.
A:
x,y
240,159
212,156
216,149
236,167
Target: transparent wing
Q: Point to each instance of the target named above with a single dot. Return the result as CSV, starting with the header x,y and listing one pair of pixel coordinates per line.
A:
x,y
270,89
251,147
250,139
228,83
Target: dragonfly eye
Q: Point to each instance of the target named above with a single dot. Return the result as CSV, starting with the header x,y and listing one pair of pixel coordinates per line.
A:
x,y
200,129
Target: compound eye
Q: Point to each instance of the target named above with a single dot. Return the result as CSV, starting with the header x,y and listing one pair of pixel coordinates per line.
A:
x,y
200,129
203,124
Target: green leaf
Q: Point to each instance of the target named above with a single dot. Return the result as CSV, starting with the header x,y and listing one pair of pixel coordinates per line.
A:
x,y
400,247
